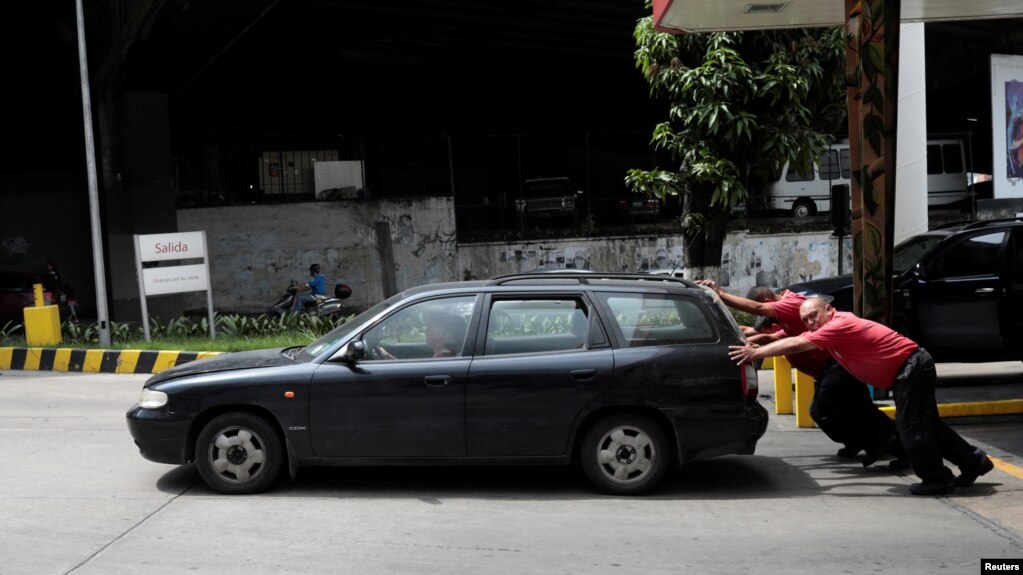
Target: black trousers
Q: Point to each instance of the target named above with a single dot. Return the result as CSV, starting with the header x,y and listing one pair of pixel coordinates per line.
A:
x,y
843,409
926,438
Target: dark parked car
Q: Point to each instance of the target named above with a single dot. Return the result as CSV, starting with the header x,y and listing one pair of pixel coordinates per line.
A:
x,y
958,291
639,208
627,374
546,199
17,293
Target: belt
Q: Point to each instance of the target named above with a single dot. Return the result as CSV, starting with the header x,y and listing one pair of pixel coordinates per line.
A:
x,y
910,363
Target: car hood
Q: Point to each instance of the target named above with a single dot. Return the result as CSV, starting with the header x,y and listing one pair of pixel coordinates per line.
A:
x,y
226,362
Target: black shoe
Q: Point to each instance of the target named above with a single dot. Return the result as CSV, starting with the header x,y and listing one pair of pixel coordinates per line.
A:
x,y
848,452
926,488
877,452
966,478
897,465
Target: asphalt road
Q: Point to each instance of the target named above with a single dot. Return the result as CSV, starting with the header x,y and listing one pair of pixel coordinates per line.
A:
x,y
75,497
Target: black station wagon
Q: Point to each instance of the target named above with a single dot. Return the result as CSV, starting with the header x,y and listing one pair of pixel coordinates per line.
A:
x,y
627,374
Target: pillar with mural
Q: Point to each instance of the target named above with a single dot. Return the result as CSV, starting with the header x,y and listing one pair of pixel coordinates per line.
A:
x,y
872,57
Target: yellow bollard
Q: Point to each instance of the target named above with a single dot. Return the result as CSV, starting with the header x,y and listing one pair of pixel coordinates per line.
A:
x,y
42,322
804,395
37,290
782,385
768,363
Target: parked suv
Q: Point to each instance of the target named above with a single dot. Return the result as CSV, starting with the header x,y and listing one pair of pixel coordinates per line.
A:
x,y
628,374
958,291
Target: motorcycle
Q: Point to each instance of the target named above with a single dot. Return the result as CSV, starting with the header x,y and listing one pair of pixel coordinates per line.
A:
x,y
321,306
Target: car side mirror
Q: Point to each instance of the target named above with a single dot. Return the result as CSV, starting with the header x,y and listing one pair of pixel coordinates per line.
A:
x,y
355,351
918,271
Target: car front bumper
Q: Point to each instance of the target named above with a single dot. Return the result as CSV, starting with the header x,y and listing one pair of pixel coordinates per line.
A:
x,y
161,436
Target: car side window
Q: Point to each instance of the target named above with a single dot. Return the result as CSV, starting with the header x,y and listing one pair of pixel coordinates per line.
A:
x,y
643,319
431,329
974,256
537,325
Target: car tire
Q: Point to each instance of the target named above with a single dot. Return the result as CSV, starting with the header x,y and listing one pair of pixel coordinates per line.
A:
x,y
625,454
803,209
239,453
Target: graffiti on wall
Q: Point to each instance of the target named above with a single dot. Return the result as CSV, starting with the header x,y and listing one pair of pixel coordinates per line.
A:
x,y
767,262
15,246
445,240
569,258
659,258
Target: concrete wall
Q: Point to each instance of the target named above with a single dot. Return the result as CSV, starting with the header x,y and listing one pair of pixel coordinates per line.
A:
x,y
747,259
255,250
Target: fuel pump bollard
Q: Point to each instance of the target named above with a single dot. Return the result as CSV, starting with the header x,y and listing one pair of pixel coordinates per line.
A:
x,y
804,395
782,385
42,322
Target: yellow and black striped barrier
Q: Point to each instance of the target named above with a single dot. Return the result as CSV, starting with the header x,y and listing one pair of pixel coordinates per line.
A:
x,y
96,360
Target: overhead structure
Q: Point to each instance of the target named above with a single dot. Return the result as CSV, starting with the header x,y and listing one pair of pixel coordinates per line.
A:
x,y
689,16
872,32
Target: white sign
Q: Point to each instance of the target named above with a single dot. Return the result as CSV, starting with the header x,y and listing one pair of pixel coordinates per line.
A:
x,y
172,279
183,246
176,279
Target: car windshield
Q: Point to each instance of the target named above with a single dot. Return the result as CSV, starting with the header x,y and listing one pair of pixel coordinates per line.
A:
x,y
327,340
909,252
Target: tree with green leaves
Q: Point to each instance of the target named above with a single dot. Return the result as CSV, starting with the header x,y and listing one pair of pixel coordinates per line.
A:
x,y
739,105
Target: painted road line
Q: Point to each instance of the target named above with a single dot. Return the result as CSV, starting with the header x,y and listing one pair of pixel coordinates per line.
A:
x,y
1006,467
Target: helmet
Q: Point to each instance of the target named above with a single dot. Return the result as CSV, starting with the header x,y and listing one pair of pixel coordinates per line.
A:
x,y
315,268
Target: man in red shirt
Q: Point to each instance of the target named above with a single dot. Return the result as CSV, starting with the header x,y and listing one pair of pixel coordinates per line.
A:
x,y
841,405
883,358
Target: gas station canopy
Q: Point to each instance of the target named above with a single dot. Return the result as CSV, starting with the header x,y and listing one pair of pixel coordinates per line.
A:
x,y
719,15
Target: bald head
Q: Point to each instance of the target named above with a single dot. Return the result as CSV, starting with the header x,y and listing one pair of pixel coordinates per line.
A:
x,y
815,312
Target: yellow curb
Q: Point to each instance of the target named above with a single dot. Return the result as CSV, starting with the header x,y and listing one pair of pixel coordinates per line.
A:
x,y
95,360
971,408
1009,468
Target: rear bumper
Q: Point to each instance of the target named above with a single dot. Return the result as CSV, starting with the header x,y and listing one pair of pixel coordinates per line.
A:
x,y
710,433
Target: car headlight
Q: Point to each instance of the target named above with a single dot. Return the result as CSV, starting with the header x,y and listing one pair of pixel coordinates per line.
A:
x,y
150,399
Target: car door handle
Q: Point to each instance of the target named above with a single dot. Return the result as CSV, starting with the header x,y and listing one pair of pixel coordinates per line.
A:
x,y
437,380
985,290
583,373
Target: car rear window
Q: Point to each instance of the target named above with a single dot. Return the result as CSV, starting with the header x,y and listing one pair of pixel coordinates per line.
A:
x,y
645,319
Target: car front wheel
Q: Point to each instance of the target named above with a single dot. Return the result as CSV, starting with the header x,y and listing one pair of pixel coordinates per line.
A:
x,y
239,453
625,454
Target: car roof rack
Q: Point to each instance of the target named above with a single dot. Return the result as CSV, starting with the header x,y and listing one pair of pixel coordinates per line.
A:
x,y
985,223
592,278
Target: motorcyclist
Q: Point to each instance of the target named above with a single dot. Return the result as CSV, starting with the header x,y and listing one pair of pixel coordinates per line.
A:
x,y
317,286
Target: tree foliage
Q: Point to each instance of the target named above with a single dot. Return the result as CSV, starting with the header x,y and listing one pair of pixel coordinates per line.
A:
x,y
739,105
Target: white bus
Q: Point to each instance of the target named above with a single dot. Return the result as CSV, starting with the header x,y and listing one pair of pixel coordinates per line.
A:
x,y
805,193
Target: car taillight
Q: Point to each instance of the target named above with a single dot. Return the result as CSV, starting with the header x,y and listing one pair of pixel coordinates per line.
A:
x,y
750,385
